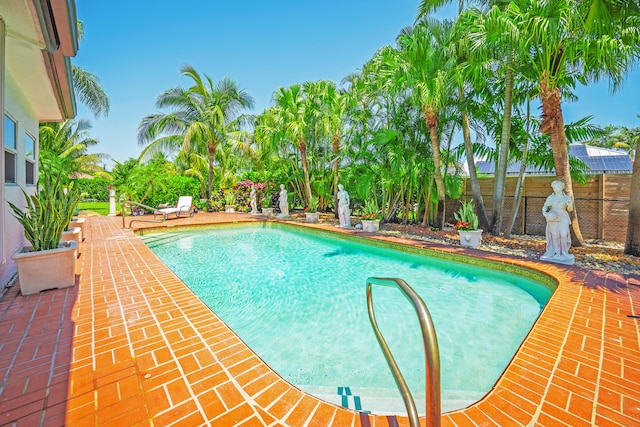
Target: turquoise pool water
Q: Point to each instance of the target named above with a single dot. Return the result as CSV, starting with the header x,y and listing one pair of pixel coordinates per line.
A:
x,y
298,300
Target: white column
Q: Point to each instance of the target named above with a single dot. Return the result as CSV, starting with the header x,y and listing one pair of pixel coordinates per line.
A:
x,y
112,201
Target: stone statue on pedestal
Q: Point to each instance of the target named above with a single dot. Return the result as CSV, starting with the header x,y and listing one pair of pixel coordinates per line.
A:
x,y
556,211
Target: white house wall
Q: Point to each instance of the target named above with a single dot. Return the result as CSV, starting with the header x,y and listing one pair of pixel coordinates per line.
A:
x,y
18,108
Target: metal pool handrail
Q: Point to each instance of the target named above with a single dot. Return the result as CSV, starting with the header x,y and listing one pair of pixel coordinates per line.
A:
x,y
431,352
130,203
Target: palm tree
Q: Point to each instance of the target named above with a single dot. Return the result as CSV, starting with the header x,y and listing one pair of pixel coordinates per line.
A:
x,y
494,37
570,40
425,58
88,90
290,118
86,85
331,104
202,117
63,148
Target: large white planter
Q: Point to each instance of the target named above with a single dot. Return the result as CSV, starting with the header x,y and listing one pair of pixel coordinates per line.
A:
x,y
78,222
229,208
370,225
42,270
73,234
312,216
268,212
471,239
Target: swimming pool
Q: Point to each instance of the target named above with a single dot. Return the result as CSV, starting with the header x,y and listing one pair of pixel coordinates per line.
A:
x,y
298,300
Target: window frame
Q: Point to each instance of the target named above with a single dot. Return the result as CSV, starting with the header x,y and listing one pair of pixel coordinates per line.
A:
x,y
30,160
10,150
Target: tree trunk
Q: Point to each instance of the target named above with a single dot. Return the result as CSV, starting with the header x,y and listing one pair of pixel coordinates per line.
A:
x,y
517,197
473,176
499,183
553,124
632,244
336,150
302,146
211,149
426,203
431,120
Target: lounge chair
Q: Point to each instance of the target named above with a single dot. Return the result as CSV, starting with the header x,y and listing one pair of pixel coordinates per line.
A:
x,y
182,208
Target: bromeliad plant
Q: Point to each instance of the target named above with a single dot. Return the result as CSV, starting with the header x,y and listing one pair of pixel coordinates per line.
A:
x,y
313,204
371,212
466,217
48,212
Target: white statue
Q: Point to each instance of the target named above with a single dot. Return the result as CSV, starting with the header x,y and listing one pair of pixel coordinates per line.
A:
x,y
556,211
284,201
253,200
343,207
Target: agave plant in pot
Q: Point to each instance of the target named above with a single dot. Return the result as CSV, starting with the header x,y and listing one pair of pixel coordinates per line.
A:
x,y
48,263
467,225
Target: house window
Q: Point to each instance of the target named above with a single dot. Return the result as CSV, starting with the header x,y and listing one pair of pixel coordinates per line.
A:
x,y
30,159
9,150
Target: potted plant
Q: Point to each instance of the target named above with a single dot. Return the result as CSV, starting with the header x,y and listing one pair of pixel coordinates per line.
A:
x,y
467,225
311,211
230,200
48,263
371,217
266,206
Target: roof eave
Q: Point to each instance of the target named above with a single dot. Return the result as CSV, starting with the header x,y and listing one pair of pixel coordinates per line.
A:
x,y
66,22
59,70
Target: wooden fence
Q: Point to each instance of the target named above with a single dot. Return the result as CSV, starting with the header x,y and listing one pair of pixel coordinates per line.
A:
x,y
602,205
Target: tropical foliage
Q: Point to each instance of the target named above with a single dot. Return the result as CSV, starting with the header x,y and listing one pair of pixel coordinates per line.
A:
x,y
201,119
398,132
48,212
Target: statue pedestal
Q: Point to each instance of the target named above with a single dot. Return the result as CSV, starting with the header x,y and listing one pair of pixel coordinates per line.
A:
x,y
560,259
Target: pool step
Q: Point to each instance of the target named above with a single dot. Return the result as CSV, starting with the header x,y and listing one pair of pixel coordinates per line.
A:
x,y
155,239
385,401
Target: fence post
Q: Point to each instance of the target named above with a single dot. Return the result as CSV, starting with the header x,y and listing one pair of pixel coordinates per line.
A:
x,y
600,218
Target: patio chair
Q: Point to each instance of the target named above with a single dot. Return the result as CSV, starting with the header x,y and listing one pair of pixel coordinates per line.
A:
x,y
182,208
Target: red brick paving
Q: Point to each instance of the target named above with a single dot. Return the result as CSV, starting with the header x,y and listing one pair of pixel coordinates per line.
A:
x,y
130,345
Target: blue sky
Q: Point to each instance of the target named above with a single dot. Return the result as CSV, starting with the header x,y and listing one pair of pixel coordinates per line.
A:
x,y
137,47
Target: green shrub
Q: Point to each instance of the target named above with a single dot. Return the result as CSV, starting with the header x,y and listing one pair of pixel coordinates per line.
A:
x,y
93,188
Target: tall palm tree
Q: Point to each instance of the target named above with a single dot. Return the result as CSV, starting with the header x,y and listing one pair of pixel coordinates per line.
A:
x,y
427,63
332,104
494,37
291,118
202,117
576,40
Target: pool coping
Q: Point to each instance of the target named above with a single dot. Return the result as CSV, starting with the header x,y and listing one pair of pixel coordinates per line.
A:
x,y
142,349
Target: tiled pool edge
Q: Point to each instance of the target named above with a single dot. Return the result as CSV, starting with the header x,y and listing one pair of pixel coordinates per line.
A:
x,y
553,332
530,362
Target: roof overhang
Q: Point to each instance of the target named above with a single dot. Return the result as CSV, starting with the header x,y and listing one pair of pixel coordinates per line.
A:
x,y
41,35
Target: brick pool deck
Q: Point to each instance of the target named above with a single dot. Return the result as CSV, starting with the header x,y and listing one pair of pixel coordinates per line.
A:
x,y
130,345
